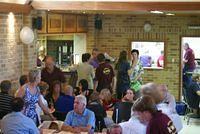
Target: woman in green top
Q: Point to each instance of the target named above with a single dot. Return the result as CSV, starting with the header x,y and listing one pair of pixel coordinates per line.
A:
x,y
136,71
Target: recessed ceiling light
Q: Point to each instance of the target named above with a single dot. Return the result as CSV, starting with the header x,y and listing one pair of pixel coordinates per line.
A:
x,y
170,14
156,12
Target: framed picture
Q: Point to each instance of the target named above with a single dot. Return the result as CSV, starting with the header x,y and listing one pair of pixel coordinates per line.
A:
x,y
69,23
55,23
82,22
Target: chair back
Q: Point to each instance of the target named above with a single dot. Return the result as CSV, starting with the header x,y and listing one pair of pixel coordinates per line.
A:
x,y
100,114
122,112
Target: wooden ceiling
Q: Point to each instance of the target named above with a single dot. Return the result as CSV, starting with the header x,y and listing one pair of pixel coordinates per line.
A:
x,y
128,6
15,8
15,1
117,6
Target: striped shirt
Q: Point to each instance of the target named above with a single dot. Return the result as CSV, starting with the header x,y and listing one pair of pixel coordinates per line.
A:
x,y
5,106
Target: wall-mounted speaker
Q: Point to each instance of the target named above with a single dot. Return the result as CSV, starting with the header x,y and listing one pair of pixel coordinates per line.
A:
x,y
98,22
37,23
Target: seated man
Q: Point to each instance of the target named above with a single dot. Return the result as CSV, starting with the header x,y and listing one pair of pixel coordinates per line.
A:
x,y
80,119
156,92
157,123
114,129
16,122
133,126
193,93
168,98
5,98
64,103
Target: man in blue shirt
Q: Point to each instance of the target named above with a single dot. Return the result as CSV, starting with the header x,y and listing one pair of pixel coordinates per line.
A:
x,y
80,119
193,93
16,122
94,62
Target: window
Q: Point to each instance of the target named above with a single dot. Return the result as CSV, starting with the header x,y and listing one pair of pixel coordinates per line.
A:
x,y
151,53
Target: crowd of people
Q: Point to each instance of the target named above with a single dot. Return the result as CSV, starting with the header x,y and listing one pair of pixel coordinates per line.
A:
x,y
45,95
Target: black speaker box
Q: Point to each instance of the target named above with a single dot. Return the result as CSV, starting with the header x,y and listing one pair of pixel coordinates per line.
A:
x,y
98,23
37,23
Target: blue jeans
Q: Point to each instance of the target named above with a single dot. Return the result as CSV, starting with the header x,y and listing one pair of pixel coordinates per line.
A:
x,y
187,78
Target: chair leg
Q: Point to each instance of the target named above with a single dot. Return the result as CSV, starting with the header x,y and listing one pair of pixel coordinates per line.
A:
x,y
188,120
185,117
186,112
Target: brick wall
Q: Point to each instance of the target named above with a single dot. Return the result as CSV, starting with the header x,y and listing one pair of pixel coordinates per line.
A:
x,y
29,54
119,30
10,47
15,58
117,33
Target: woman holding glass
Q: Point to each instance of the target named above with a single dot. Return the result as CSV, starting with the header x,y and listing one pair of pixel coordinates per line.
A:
x,y
30,93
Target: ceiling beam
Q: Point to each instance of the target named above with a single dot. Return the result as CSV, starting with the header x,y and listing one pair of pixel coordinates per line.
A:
x,y
117,6
15,8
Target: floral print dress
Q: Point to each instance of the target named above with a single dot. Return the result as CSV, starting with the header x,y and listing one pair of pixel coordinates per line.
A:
x,y
135,71
30,101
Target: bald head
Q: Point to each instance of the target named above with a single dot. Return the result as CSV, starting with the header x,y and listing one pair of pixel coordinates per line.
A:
x,y
148,86
49,63
68,90
152,89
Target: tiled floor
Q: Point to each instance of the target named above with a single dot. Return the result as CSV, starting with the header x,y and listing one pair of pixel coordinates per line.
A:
x,y
192,128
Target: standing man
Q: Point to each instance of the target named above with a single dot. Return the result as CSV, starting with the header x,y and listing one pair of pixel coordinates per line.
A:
x,y
104,75
94,62
189,64
145,110
16,122
51,73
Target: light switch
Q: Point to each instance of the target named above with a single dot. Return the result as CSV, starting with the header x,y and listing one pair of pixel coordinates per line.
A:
x,y
173,60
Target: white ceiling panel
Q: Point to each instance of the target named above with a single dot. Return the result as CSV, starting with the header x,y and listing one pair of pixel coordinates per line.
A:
x,y
15,1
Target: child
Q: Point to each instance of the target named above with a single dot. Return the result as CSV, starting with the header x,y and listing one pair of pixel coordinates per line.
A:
x,y
43,86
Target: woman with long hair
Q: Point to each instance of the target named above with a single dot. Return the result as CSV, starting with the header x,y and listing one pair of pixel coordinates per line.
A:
x,y
122,68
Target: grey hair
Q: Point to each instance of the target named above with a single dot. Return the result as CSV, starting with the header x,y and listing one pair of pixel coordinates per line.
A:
x,y
109,130
68,90
33,74
152,90
187,44
82,99
148,87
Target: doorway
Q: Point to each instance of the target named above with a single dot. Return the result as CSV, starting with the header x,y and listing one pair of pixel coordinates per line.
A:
x,y
61,50
194,44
